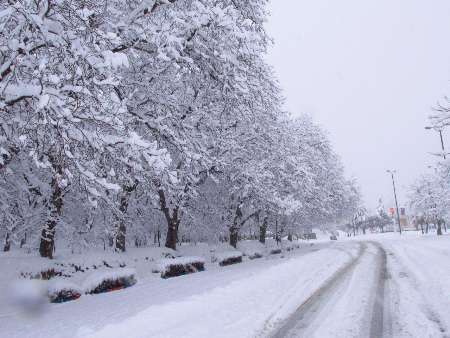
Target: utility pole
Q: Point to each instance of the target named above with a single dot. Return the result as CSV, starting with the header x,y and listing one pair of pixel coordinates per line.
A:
x,y
439,130
392,172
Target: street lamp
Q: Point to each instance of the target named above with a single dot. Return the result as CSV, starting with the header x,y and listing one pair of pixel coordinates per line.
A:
x,y
392,172
439,130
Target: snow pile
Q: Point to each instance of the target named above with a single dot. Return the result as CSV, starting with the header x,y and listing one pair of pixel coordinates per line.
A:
x,y
61,290
180,266
227,257
251,249
107,281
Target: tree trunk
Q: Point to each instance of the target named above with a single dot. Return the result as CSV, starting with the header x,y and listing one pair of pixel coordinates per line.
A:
x,y
427,227
7,246
173,221
120,238
172,234
233,236
47,243
263,231
439,228
23,241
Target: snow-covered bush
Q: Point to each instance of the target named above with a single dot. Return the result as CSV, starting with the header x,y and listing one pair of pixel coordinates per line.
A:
x,y
180,266
289,246
61,290
275,251
106,281
228,257
251,249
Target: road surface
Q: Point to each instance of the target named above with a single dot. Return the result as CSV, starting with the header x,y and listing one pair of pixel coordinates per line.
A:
x,y
382,292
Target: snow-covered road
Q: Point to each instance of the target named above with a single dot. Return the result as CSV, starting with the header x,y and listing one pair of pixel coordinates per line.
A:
x,y
382,286
350,304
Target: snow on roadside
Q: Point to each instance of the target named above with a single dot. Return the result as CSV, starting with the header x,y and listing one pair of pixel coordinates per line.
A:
x,y
419,285
240,308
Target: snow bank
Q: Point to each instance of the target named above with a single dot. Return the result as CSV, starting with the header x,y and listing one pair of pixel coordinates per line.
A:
x,y
106,281
180,266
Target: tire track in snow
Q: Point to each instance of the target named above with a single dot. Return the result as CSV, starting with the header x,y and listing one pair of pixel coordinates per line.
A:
x,y
308,310
403,272
379,326
326,300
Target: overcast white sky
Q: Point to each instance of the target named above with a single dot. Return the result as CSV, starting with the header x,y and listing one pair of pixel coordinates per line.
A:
x,y
368,71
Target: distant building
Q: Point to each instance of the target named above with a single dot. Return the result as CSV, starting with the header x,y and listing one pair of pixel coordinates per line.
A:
x,y
404,218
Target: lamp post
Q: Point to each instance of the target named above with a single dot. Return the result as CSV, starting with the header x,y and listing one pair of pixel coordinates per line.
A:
x,y
439,130
392,172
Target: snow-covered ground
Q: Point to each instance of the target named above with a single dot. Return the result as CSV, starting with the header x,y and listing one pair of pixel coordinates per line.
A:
x,y
373,285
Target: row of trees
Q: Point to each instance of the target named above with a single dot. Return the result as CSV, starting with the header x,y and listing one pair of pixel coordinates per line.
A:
x,y
430,194
430,198
127,121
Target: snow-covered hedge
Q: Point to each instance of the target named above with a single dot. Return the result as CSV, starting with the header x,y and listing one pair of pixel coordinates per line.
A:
x,y
107,281
228,257
251,249
289,246
180,266
60,290
275,251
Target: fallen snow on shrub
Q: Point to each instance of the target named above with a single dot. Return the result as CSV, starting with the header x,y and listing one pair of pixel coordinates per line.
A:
x,y
228,257
252,249
275,251
289,246
180,266
111,280
61,290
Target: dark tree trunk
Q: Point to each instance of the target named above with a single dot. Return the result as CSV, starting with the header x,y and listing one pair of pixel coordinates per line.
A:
x,y
47,243
263,231
172,233
7,246
427,227
173,221
439,228
233,236
23,241
120,238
